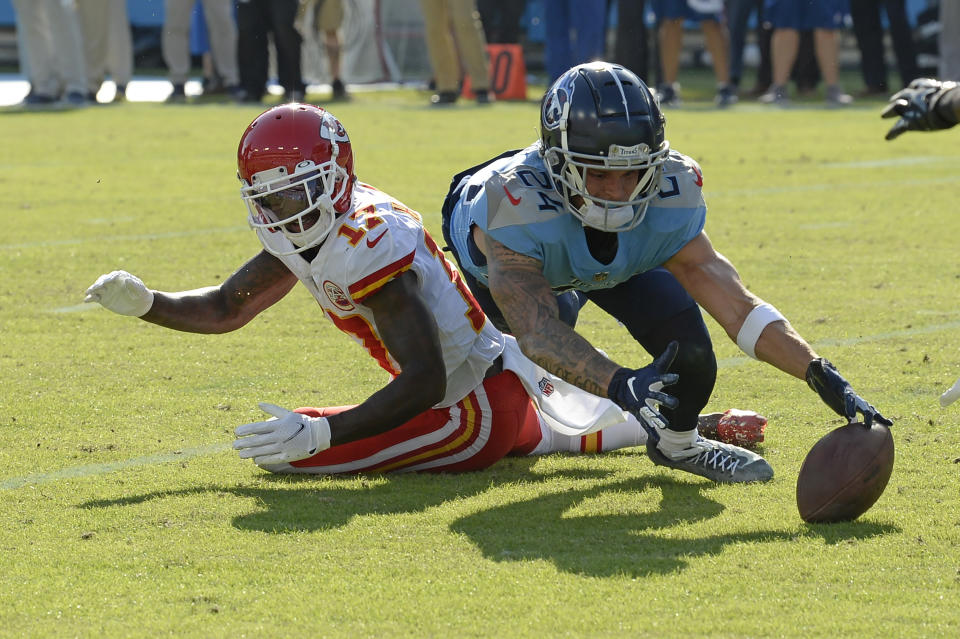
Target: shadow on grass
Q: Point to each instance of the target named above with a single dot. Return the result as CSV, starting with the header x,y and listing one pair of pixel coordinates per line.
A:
x,y
296,503
635,543
556,525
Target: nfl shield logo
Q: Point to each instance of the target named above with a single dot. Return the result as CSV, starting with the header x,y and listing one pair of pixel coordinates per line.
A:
x,y
546,388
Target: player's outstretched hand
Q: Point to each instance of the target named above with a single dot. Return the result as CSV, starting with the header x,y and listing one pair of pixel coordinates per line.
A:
x,y
287,437
916,108
121,293
640,391
836,392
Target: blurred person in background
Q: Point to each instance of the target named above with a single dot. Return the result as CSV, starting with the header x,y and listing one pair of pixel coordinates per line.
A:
x,y
575,32
457,45
631,47
949,40
175,42
738,13
257,20
325,18
869,32
789,18
108,45
671,15
52,45
501,20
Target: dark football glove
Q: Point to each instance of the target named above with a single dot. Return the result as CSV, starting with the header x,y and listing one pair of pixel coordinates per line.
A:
x,y
918,107
640,391
835,391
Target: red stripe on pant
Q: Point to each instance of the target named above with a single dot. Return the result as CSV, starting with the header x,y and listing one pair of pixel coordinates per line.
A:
x,y
511,412
592,443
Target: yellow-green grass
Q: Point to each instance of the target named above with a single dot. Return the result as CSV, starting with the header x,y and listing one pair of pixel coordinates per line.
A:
x,y
125,513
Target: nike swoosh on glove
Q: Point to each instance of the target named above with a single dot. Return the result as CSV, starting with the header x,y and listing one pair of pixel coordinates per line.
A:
x,y
287,437
640,391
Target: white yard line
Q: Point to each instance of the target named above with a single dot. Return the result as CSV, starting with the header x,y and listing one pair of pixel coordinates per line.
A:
x,y
122,238
99,469
850,186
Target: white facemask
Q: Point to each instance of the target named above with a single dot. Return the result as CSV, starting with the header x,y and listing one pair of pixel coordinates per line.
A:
x,y
606,219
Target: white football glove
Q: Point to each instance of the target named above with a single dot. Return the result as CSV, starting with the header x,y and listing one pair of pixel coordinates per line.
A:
x,y
287,437
121,293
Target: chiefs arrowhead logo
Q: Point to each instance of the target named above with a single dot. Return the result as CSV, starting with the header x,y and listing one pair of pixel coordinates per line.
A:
x,y
336,295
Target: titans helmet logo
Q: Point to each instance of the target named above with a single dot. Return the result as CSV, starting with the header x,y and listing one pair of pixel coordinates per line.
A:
x,y
553,106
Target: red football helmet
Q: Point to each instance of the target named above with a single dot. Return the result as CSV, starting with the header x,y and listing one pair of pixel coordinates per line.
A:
x,y
296,165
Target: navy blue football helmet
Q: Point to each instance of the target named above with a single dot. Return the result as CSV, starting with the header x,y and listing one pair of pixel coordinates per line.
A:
x,y
602,116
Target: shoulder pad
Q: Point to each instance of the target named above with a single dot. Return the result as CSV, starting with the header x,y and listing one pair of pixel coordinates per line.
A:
x,y
681,184
521,195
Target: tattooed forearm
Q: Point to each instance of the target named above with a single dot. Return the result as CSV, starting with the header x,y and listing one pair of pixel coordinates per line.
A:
x,y
582,367
530,307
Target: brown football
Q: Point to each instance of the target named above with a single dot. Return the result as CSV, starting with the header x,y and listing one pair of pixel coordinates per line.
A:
x,y
845,473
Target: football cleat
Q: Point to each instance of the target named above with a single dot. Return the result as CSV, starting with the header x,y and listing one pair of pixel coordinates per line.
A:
x,y
739,427
722,463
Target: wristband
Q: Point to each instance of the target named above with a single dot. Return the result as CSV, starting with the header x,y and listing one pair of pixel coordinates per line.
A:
x,y
753,326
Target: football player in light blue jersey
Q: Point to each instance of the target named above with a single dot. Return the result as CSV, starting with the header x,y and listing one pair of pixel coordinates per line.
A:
x,y
601,209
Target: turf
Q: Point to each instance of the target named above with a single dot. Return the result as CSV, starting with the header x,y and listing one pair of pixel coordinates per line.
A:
x,y
126,514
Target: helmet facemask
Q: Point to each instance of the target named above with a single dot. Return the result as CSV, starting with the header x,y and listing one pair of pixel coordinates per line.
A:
x,y
569,171
299,205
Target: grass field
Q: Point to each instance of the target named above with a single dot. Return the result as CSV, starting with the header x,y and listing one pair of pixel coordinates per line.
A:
x,y
125,513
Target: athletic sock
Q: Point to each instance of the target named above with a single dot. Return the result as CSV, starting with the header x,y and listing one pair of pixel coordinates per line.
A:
x,y
674,442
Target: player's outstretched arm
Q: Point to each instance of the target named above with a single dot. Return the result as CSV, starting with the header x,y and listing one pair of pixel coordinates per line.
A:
x,y
925,105
410,335
530,308
254,287
759,329
715,284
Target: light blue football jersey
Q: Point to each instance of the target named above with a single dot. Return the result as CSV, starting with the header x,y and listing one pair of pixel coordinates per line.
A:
x,y
513,200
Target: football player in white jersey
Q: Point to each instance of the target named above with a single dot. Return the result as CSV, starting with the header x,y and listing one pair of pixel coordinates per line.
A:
x,y
600,208
460,392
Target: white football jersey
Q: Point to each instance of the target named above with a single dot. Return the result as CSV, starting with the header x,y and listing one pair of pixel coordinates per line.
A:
x,y
377,240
